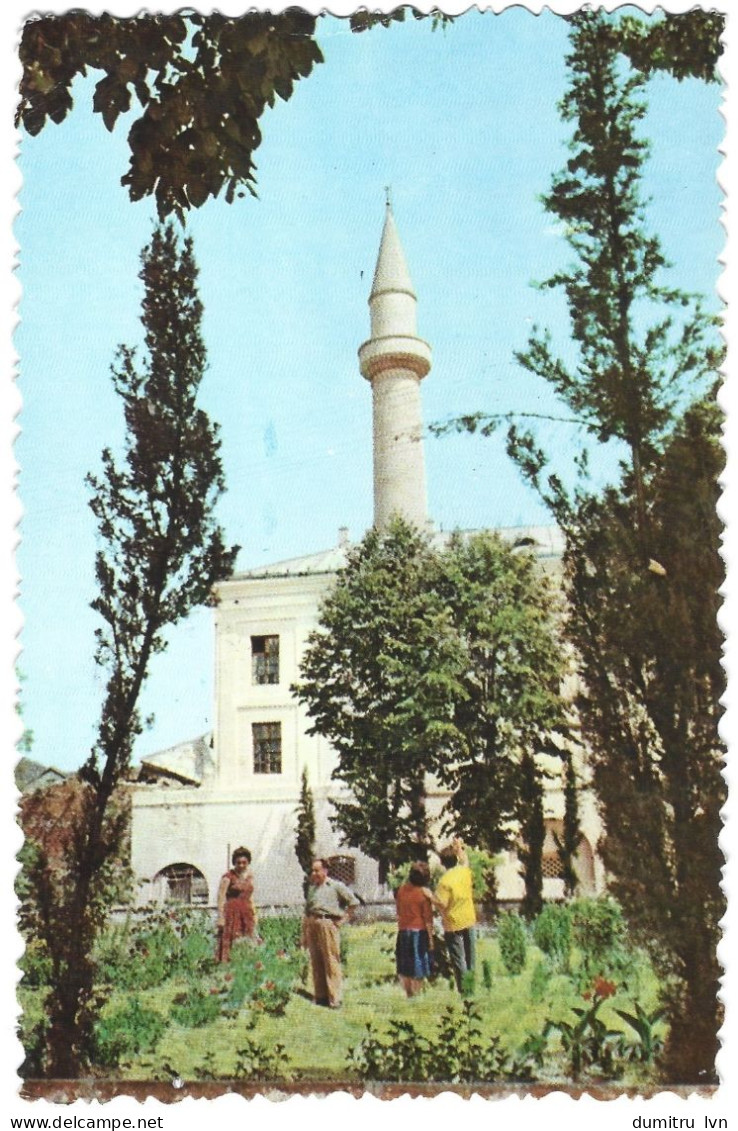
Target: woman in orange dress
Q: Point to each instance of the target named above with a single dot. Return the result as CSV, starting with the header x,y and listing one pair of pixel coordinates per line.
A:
x,y
414,949
236,915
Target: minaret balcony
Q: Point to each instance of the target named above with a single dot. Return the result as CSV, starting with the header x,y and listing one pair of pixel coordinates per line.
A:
x,y
398,351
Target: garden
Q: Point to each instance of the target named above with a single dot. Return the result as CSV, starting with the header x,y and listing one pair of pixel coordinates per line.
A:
x,y
566,998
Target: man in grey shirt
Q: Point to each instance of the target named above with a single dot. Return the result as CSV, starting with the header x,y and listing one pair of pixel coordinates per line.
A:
x,y
328,904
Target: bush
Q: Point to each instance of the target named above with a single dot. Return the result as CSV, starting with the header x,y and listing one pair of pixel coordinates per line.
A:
x,y
457,1053
601,934
125,1033
552,933
196,1007
265,975
160,944
512,941
253,1062
540,979
280,932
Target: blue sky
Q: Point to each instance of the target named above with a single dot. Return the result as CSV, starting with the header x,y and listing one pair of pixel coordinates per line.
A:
x,y
462,123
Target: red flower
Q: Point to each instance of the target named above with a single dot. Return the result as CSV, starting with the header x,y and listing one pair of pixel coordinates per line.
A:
x,y
586,995
259,966
214,990
604,988
270,985
228,978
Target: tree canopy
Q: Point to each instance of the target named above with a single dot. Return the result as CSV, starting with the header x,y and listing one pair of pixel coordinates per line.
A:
x,y
642,558
440,663
202,83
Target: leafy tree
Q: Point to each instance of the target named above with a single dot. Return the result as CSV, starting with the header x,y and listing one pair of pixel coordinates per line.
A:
x,y
652,681
202,83
305,833
634,355
379,679
442,663
160,554
505,612
569,842
642,560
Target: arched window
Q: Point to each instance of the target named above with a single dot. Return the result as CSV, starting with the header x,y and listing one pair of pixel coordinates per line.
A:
x,y
182,883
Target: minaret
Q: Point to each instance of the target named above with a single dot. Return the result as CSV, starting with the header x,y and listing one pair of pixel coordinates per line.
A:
x,y
394,361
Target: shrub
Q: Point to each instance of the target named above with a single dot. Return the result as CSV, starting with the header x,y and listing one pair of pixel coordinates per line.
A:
x,y
196,1007
600,932
280,932
552,933
457,1053
254,1062
156,946
512,941
265,975
126,1032
540,979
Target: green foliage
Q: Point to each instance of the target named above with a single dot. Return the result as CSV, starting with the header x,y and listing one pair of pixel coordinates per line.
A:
x,y
684,44
126,1032
155,947
195,1007
505,613
649,1044
587,1042
457,1054
615,297
568,844
280,932
263,977
201,83
160,554
436,662
513,941
378,679
487,974
36,964
255,1062
600,932
305,831
642,564
540,979
484,883
552,933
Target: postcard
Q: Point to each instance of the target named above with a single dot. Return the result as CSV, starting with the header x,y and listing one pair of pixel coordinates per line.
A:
x,y
370,690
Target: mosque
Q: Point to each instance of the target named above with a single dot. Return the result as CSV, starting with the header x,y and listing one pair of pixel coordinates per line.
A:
x,y
195,802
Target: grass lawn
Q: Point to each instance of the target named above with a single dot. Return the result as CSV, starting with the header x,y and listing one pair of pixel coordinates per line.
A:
x,y
317,1040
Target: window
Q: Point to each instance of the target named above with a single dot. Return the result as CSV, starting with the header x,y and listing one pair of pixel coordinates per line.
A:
x,y
183,883
267,748
552,866
342,868
265,659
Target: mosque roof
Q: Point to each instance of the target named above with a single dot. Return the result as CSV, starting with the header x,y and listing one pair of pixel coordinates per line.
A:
x,y
546,542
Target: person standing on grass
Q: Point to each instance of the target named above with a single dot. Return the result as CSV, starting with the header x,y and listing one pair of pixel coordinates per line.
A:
x,y
414,947
236,913
328,905
455,899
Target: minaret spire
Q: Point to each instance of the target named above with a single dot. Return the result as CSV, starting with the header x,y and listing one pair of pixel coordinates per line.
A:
x,y
394,360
